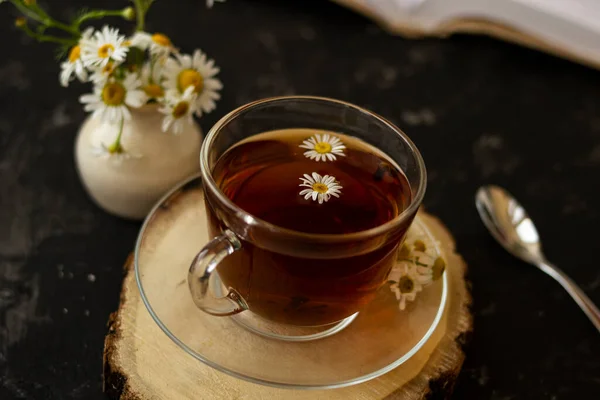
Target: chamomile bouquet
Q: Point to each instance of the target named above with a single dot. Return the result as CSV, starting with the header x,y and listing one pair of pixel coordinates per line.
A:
x,y
126,71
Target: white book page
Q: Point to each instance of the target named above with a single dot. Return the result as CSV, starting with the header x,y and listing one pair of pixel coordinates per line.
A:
x,y
581,12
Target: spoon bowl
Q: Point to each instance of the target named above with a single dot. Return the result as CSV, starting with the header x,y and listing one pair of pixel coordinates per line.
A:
x,y
508,222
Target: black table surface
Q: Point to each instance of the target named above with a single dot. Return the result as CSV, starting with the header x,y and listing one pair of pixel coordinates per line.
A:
x,y
481,111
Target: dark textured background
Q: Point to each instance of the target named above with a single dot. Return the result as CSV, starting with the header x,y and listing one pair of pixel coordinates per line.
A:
x,y
481,111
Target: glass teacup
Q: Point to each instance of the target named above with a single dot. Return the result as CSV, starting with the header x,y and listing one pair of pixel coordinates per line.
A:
x,y
298,277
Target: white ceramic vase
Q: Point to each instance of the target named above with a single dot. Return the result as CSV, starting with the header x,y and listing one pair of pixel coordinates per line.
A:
x,y
129,186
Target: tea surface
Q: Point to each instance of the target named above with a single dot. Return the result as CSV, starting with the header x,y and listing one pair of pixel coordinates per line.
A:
x,y
263,176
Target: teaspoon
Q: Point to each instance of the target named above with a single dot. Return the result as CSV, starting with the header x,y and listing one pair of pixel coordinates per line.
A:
x,y
510,225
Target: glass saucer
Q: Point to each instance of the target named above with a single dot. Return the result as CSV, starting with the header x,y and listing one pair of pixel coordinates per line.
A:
x,y
379,339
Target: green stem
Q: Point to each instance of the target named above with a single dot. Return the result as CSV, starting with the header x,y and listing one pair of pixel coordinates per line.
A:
x,y
27,12
51,22
57,24
47,38
116,146
35,13
152,63
140,13
96,14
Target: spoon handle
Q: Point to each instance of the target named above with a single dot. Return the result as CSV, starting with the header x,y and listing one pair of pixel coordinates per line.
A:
x,y
584,302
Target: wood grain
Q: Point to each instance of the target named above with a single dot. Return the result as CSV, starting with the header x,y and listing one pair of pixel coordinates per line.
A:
x,y
141,362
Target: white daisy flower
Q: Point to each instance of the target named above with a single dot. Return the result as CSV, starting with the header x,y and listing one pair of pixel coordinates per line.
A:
x,y
152,79
323,147
419,261
104,46
110,101
101,74
74,63
197,71
407,285
159,44
103,152
320,188
178,109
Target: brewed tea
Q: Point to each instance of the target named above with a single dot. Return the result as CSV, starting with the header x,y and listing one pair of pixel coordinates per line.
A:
x,y
313,182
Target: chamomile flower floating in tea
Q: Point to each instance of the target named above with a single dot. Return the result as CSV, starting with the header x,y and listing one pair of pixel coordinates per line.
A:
x,y
320,188
104,46
110,101
198,72
323,147
178,108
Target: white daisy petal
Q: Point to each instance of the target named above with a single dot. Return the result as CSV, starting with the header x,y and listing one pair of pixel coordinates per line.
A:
x,y
323,147
321,188
141,40
159,44
73,66
166,124
124,111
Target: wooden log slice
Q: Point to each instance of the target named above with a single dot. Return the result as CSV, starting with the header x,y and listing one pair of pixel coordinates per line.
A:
x,y
141,362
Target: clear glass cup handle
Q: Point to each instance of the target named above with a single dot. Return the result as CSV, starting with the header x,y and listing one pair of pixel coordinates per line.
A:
x,y
201,271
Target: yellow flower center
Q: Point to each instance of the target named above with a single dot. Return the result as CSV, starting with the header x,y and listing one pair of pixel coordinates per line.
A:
x,y
406,285
323,147
113,94
439,266
153,90
420,245
108,68
161,40
320,187
181,109
127,43
20,22
105,50
190,77
74,54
